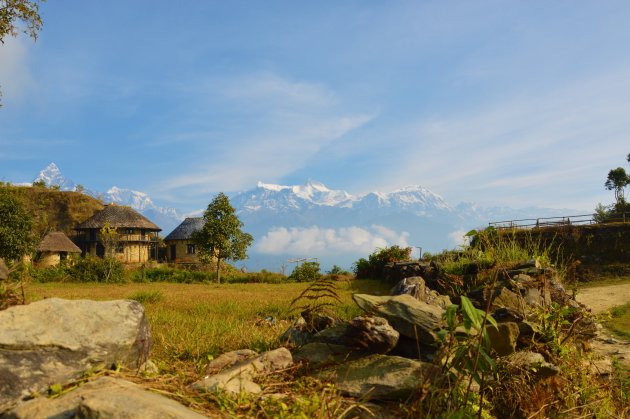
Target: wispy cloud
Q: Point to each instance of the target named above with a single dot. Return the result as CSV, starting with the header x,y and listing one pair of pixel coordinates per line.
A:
x,y
285,125
548,144
328,241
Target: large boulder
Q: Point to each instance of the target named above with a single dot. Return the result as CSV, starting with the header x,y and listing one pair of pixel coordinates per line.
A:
x,y
55,341
410,317
106,397
380,377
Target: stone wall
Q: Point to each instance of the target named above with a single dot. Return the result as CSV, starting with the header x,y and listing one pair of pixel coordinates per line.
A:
x,y
596,243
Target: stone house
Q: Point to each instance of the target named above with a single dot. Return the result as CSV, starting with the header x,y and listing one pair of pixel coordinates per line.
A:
x,y
179,245
55,248
135,239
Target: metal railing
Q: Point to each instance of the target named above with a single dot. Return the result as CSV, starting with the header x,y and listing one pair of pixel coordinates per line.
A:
x,y
583,219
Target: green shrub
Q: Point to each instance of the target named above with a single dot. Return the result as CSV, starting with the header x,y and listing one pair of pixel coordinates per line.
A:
x,y
306,272
372,268
94,269
60,273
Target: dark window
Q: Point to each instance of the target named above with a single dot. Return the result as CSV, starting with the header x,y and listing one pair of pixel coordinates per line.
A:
x,y
120,248
92,235
190,249
130,231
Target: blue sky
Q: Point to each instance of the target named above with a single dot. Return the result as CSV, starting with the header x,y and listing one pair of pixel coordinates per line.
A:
x,y
512,103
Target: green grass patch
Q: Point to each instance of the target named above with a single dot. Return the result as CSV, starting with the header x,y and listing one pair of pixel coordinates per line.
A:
x,y
619,323
605,280
147,297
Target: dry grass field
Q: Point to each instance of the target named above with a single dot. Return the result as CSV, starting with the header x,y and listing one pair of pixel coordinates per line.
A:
x,y
193,322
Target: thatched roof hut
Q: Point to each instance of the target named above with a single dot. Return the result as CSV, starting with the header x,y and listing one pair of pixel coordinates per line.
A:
x,y
4,271
185,230
57,241
118,216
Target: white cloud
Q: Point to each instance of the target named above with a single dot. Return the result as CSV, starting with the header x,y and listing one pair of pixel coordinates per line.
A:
x,y
15,77
314,241
457,237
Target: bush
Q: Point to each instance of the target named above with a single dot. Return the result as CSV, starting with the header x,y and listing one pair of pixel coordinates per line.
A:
x,y
60,273
94,269
306,272
372,268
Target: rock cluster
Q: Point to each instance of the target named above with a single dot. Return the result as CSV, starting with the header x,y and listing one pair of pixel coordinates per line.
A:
x,y
387,352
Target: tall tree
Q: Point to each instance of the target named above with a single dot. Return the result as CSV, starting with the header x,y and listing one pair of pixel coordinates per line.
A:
x,y
14,11
16,238
221,237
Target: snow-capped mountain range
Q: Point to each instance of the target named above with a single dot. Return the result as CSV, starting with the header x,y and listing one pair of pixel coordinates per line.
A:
x,y
281,198
332,225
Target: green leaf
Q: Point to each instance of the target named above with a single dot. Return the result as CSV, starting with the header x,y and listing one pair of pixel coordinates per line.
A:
x,y
470,313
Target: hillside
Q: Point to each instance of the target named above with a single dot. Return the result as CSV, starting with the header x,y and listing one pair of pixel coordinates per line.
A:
x,y
55,210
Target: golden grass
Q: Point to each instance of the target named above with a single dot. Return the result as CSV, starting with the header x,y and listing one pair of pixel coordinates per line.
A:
x,y
195,322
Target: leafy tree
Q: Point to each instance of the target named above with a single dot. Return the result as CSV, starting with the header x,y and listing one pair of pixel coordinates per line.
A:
x,y
617,180
221,237
306,272
373,266
14,11
16,238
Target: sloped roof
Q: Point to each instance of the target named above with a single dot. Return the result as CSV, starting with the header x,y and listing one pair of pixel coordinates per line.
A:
x,y
56,241
118,216
186,228
4,271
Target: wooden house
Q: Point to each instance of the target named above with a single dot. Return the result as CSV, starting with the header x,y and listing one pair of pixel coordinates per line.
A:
x,y
135,238
179,245
55,248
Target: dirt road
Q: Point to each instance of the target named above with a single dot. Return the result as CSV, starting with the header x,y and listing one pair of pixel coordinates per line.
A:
x,y
603,298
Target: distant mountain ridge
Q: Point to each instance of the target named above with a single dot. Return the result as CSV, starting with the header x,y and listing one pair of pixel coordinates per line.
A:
x,y
333,225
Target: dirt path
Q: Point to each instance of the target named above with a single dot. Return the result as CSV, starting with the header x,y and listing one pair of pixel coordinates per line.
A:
x,y
600,299
604,298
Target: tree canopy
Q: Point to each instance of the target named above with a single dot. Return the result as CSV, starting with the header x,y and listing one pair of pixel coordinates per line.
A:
x,y
617,180
221,237
14,12
16,238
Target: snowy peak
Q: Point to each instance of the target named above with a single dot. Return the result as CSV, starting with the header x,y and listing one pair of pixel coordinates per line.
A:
x,y
283,198
268,196
139,201
51,176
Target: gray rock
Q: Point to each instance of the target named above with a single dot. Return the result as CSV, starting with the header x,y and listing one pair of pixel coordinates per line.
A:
x,y
297,334
370,334
228,359
415,286
318,354
532,362
105,397
55,341
410,317
511,302
239,377
380,377
503,338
